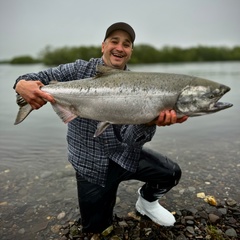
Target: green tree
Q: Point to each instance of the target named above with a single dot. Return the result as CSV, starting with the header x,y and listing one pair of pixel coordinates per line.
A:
x,y
24,60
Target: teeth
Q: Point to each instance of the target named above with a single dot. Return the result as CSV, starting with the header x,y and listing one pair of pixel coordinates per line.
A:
x,y
116,55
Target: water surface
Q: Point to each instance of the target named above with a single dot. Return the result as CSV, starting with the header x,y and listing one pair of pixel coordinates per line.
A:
x,y
37,182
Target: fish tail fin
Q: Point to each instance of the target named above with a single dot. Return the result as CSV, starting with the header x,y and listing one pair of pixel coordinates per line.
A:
x,y
24,110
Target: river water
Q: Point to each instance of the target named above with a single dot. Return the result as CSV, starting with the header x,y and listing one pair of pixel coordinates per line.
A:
x,y
37,182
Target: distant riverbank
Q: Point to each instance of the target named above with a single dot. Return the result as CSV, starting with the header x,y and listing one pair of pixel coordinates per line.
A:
x,y
142,54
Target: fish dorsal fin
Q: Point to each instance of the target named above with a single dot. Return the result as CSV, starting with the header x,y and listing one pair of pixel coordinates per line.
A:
x,y
105,70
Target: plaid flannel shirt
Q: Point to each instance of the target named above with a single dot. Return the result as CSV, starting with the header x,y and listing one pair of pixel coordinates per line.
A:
x,y
88,155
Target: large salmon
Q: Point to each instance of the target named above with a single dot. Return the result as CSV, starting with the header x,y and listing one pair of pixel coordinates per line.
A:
x,y
125,97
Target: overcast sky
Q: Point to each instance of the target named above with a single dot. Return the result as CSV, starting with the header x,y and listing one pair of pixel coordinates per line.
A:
x,y
28,26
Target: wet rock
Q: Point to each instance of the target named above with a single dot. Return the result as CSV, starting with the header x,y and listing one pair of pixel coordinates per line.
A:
x,y
232,220
231,202
74,230
190,222
63,238
61,215
181,237
223,210
202,215
21,231
192,189
213,218
122,224
3,203
40,226
231,232
46,174
190,229
55,228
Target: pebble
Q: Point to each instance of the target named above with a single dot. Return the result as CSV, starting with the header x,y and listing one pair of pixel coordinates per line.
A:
x,y
231,202
213,218
46,174
231,232
181,191
223,210
192,189
190,222
181,237
21,231
55,228
61,215
123,224
190,229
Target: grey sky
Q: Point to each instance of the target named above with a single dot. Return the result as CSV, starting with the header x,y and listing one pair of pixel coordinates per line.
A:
x,y
28,26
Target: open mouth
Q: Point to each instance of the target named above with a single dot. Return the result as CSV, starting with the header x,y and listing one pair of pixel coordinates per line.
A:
x,y
220,106
117,55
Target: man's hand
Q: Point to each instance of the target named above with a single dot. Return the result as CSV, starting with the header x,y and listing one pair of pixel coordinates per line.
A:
x,y
166,118
31,92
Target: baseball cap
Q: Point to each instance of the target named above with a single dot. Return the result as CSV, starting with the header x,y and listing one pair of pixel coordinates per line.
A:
x,y
121,26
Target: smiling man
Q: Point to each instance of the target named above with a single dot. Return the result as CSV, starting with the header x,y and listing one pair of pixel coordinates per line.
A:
x,y
118,45
117,155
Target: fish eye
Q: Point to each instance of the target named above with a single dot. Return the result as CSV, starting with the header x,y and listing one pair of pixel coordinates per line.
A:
x,y
211,96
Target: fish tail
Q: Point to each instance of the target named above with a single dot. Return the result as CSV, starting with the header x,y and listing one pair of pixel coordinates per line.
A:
x,y
24,110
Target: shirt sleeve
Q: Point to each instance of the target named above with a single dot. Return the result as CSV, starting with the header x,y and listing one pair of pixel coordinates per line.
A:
x,y
62,73
137,135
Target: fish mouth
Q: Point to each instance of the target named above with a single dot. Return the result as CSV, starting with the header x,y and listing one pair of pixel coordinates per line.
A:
x,y
216,107
220,106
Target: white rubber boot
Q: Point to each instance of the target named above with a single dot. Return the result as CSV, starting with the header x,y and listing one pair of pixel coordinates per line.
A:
x,y
154,211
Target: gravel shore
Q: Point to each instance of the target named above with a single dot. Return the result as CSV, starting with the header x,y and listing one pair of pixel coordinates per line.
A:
x,y
204,222
44,207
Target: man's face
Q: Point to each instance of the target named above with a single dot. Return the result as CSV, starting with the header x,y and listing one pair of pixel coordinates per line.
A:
x,y
117,49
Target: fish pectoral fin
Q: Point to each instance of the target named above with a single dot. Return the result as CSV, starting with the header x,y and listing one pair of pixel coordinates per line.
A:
x,y
101,128
64,113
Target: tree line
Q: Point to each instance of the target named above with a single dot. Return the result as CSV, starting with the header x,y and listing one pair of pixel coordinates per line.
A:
x,y
142,53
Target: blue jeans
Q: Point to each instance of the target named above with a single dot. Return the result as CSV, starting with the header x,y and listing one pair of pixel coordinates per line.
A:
x,y
96,203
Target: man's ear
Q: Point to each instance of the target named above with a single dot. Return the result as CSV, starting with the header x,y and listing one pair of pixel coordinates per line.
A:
x,y
103,43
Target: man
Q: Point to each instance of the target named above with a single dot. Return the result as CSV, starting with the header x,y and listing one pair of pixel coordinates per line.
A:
x,y
101,163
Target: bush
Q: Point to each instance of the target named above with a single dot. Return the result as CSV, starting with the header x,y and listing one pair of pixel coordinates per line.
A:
x,y
24,60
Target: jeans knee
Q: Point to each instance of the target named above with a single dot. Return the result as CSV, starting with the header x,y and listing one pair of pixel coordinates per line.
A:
x,y
177,173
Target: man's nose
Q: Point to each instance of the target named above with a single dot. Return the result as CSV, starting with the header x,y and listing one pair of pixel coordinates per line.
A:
x,y
119,47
